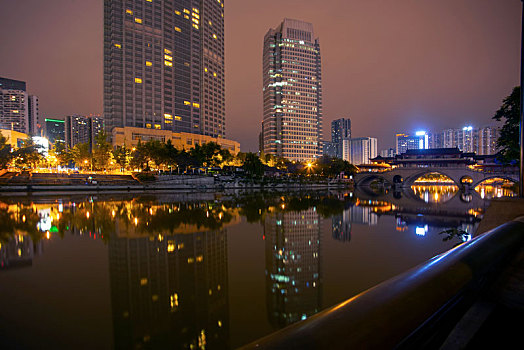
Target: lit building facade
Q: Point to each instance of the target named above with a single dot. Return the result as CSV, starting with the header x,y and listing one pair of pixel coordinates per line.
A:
x,y
360,150
54,129
293,266
82,129
340,133
292,113
130,136
405,142
164,65
19,111
482,141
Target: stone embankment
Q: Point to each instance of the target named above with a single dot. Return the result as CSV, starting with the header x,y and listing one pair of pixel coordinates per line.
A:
x,y
44,182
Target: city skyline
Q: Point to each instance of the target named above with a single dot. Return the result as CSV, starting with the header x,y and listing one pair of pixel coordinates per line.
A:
x,y
451,63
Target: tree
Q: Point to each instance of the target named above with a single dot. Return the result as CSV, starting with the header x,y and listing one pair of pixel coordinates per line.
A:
x,y
6,155
101,151
121,155
62,154
81,156
28,155
253,165
508,141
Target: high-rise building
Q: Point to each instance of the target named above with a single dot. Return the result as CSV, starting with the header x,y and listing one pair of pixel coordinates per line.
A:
x,y
164,65
19,111
487,140
360,150
292,117
82,129
482,141
55,129
340,132
418,141
35,123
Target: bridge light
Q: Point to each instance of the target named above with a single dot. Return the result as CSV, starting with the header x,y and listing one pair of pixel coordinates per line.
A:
x,y
420,133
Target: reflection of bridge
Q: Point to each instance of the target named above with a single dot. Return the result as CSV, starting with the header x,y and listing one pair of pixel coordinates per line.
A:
x,y
462,208
406,176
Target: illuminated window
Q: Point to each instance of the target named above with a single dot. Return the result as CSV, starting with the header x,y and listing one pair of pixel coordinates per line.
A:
x,y
186,16
167,57
129,12
196,10
187,103
16,111
186,11
205,69
168,116
178,29
158,126
169,52
178,13
195,26
214,74
148,125
138,80
168,63
143,281
214,36
178,118
138,20
149,0
149,63
190,260
196,105
118,46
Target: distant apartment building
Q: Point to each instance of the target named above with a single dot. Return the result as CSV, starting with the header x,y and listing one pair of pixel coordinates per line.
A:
x,y
340,135
19,111
404,142
482,141
292,91
82,129
54,129
330,148
387,153
360,150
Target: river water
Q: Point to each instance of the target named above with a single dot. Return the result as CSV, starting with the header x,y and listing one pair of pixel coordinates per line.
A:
x,y
208,270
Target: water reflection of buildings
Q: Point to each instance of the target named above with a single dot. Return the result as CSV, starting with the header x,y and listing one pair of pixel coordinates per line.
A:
x,y
19,251
170,291
293,267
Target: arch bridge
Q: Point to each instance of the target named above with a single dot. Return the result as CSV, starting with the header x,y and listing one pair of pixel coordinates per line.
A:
x,y
406,176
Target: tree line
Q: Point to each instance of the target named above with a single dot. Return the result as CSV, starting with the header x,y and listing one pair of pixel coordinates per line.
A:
x,y
164,156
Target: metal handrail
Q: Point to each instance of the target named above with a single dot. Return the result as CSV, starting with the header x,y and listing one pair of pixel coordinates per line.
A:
x,y
390,314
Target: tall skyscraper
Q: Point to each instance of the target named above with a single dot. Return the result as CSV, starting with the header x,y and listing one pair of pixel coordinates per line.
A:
x,y
292,117
340,135
19,111
164,65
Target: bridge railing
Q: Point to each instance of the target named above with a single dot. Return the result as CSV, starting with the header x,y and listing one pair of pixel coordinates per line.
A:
x,y
412,309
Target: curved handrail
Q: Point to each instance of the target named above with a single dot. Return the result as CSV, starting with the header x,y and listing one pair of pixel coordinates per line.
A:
x,y
387,314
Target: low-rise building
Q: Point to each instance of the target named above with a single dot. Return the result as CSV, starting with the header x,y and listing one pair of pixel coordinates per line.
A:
x,y
180,140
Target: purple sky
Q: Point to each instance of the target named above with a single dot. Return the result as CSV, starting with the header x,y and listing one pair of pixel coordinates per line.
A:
x,y
391,66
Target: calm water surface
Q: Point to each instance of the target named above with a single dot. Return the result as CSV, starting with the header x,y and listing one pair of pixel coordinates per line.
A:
x,y
207,270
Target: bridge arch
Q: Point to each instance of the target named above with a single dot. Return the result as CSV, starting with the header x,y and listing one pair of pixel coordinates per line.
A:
x,y
410,180
513,179
366,180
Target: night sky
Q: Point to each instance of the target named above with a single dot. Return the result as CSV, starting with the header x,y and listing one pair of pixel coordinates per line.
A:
x,y
391,66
